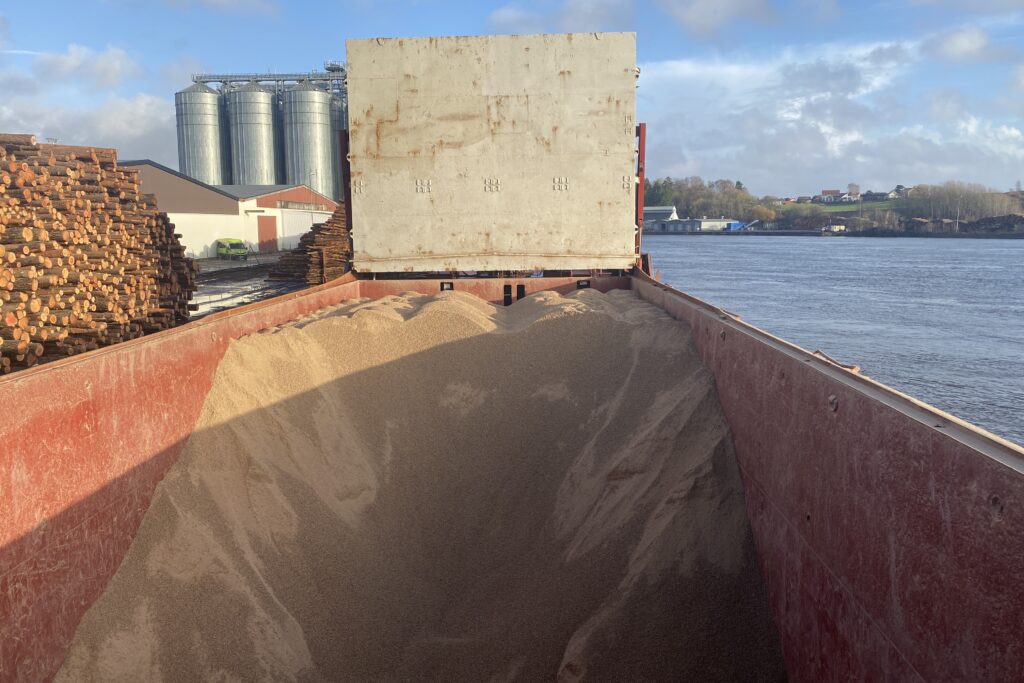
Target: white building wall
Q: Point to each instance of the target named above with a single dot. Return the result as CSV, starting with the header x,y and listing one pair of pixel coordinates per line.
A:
x,y
199,231
291,223
294,223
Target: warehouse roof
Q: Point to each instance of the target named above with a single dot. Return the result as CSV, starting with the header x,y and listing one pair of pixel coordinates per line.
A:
x,y
233,191
251,191
176,192
165,169
666,213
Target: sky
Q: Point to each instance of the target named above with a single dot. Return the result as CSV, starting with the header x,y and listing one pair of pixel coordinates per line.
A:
x,y
788,96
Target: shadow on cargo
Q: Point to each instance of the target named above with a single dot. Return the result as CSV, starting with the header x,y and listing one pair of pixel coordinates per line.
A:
x,y
502,505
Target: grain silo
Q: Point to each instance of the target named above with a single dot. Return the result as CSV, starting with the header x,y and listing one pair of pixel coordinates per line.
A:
x,y
203,149
306,115
251,114
264,128
337,127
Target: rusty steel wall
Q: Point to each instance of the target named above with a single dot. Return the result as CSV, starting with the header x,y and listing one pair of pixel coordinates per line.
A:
x,y
493,153
890,535
84,443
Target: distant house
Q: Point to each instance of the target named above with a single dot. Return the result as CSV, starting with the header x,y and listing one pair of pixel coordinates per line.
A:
x,y
660,213
805,199
878,196
849,198
829,196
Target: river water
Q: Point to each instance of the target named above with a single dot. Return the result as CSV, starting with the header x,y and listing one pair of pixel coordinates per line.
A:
x,y
939,319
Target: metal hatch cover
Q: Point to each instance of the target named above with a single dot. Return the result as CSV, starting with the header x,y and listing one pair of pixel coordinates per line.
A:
x,y
493,153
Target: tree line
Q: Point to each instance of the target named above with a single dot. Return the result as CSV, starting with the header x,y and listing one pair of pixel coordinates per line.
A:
x,y
956,200
695,197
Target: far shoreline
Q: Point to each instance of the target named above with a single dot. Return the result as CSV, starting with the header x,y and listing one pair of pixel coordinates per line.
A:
x,y
814,233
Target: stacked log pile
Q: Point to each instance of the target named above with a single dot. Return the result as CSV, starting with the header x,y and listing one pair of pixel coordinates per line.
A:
x,y
324,253
85,259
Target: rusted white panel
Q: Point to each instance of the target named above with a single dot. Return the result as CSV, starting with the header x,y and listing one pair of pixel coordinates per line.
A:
x,y
493,152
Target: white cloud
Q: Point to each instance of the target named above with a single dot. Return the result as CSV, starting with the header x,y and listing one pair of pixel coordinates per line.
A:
x,y
966,44
947,106
708,16
71,96
821,116
571,16
15,83
515,19
104,69
178,74
998,139
138,126
595,15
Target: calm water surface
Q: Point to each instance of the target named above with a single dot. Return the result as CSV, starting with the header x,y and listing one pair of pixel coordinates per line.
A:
x,y
939,319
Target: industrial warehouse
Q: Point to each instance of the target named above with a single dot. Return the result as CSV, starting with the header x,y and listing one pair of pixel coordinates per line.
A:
x,y
264,154
270,218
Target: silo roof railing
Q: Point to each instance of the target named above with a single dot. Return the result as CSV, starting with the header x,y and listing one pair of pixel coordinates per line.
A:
x,y
324,77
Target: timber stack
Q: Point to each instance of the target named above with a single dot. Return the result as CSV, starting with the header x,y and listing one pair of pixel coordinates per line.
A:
x,y
324,253
85,259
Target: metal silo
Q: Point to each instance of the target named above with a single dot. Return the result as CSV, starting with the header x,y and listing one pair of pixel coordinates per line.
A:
x,y
202,135
337,126
279,157
307,137
251,118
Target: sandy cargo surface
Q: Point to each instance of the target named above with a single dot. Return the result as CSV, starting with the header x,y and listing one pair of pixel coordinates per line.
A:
x,y
435,488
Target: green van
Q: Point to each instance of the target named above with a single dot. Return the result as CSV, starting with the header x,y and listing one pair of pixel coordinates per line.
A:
x,y
231,249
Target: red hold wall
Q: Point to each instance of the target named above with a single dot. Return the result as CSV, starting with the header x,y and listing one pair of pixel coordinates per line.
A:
x,y
83,443
891,547
890,535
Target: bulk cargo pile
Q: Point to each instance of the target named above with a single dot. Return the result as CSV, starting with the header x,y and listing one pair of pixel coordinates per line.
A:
x,y
435,488
85,259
